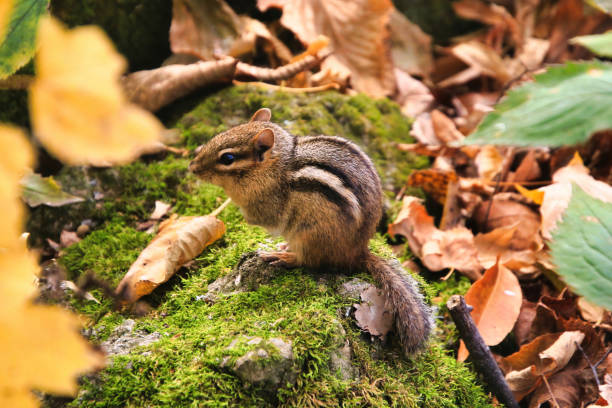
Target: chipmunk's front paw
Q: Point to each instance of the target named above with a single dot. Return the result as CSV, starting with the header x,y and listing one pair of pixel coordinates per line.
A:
x,y
284,259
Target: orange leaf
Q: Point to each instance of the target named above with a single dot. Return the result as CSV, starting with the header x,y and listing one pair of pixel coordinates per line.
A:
x,y
496,299
179,240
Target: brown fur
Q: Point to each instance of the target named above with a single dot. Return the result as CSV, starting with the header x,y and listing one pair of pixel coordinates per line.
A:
x,y
323,195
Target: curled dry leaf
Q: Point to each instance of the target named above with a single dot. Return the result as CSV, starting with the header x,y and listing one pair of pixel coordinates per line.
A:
x,y
94,124
437,249
564,391
558,194
179,240
413,96
374,314
498,244
591,312
155,88
496,300
358,35
544,356
445,128
483,59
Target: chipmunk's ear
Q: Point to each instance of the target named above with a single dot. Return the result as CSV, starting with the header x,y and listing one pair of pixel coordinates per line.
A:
x,y
263,141
262,115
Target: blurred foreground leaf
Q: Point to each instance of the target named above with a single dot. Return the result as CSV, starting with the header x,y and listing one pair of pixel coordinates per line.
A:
x,y
39,190
564,106
78,108
19,45
581,247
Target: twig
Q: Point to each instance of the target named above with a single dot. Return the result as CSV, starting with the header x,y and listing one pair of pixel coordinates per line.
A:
x,y
221,207
550,391
593,369
284,72
479,351
17,82
289,89
601,360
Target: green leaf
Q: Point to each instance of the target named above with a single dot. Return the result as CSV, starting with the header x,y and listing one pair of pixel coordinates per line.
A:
x,y
564,106
39,190
19,43
581,247
600,44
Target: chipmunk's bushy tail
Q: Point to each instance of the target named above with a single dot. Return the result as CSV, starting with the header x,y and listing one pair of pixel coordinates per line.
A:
x,y
413,318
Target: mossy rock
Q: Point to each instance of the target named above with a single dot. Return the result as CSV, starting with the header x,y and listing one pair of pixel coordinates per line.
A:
x,y
302,307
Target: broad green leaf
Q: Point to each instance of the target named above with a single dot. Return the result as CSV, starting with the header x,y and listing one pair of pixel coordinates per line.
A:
x,y
39,190
19,43
600,44
564,106
581,247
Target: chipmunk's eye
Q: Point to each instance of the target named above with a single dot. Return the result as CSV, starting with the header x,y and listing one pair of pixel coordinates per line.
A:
x,y
227,159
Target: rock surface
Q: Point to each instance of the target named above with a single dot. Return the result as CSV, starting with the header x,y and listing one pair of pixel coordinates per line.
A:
x,y
124,338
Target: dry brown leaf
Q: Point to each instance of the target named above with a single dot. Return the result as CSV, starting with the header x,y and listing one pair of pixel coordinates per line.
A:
x,y
410,46
445,128
489,162
522,328
492,14
437,249
160,210
506,210
358,34
178,241
499,244
496,300
590,312
565,390
433,182
544,356
68,238
155,88
374,315
422,130
483,59
558,195
413,96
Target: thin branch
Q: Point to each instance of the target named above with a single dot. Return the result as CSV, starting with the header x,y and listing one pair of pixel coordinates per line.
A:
x,y
479,352
284,72
288,89
550,391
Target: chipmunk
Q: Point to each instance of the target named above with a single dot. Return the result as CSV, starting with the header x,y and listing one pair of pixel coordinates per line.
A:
x,y
323,195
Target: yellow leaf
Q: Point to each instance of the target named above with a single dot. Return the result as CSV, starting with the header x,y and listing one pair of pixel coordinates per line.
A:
x,y
12,167
536,196
5,11
179,240
78,108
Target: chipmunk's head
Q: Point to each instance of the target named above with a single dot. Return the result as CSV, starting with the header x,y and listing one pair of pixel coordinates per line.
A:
x,y
236,152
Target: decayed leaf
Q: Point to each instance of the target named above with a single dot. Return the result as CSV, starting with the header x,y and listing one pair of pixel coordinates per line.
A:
x,y
374,314
160,210
558,195
179,240
39,190
437,249
496,300
94,124
564,388
358,34
544,356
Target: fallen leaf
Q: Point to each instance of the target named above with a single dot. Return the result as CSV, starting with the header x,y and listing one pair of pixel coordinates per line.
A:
x,y
544,356
160,210
498,244
94,124
358,35
445,128
523,325
422,130
433,182
437,249
39,190
492,14
590,312
483,59
413,96
68,238
564,391
410,46
178,241
605,389
489,162
496,300
5,12
374,314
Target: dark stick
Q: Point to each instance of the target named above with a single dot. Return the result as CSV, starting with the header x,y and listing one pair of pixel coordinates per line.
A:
x,y
479,351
